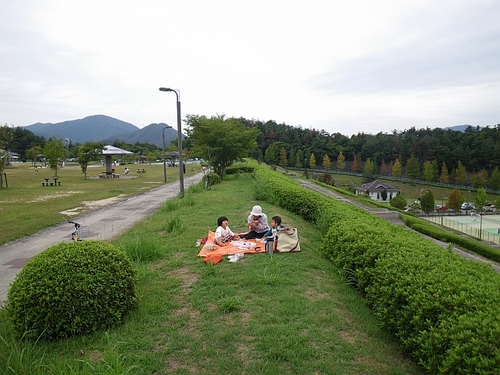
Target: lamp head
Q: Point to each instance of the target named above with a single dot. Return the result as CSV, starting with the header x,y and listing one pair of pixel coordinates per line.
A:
x,y
165,89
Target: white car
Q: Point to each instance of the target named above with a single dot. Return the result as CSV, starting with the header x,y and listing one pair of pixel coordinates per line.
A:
x,y
467,206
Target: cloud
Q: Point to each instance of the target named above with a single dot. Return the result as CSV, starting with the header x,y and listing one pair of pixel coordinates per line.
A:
x,y
446,48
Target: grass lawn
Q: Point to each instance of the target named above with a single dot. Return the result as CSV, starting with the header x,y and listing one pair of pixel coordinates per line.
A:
x,y
266,314
30,207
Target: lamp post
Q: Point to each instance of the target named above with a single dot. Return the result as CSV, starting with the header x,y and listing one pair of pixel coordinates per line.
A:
x,y
179,138
164,161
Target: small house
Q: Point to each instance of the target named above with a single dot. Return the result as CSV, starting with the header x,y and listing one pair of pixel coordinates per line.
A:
x,y
377,190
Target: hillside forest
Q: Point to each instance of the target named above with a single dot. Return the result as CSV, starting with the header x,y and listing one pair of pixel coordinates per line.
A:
x,y
471,157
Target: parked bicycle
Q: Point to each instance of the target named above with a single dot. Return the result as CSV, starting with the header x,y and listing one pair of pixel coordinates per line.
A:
x,y
75,236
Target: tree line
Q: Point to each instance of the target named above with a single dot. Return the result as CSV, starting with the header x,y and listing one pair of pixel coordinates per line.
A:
x,y
471,157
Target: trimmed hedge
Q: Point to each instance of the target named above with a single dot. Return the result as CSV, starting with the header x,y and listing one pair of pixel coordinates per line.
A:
x,y
444,309
72,289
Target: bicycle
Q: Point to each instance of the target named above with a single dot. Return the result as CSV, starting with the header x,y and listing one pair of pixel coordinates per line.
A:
x,y
75,236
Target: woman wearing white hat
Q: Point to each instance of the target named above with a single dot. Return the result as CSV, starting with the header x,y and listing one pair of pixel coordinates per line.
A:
x,y
257,223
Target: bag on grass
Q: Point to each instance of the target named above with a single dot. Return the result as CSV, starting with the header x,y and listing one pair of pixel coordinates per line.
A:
x,y
286,240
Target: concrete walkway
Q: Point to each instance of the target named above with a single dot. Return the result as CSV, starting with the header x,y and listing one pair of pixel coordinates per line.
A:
x,y
102,224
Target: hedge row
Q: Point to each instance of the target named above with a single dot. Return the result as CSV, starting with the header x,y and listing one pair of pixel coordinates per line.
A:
x,y
444,309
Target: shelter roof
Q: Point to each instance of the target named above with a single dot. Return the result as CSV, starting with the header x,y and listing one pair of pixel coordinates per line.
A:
x,y
112,150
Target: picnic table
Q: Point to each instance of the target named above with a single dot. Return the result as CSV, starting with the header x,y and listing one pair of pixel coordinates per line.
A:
x,y
55,182
141,170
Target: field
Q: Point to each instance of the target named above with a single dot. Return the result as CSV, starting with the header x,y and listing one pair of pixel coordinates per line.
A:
x,y
266,314
27,207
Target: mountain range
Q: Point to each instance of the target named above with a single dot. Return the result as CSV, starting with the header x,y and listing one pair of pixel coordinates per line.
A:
x,y
101,128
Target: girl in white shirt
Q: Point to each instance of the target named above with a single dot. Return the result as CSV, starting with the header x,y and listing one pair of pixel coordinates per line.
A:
x,y
224,234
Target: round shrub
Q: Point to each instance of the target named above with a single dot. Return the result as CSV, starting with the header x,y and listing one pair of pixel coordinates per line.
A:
x,y
72,289
399,202
212,178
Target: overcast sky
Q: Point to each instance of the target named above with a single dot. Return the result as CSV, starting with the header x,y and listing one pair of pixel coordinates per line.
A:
x,y
342,66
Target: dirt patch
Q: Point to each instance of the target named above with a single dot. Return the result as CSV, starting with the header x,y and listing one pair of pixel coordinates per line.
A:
x,y
92,205
44,198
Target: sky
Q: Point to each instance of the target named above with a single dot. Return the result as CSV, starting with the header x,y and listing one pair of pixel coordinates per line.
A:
x,y
339,66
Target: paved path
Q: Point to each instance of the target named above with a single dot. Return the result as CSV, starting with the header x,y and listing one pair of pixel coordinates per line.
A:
x,y
102,224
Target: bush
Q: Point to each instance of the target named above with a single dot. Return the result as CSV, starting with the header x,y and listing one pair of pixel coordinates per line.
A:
x,y
398,201
444,309
210,179
72,289
239,169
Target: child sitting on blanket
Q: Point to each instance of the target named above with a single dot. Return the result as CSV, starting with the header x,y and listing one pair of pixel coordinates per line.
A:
x,y
275,226
224,234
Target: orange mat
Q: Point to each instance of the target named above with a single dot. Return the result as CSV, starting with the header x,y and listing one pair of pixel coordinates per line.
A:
x,y
231,249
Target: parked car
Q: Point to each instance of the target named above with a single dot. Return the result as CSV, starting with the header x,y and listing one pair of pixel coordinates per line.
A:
x,y
441,208
489,207
467,206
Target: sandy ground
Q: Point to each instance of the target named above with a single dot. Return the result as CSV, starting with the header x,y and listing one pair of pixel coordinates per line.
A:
x,y
92,205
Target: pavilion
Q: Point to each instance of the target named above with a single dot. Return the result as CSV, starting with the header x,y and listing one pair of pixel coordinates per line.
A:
x,y
110,151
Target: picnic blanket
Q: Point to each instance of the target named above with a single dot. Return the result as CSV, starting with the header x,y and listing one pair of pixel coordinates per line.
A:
x,y
234,247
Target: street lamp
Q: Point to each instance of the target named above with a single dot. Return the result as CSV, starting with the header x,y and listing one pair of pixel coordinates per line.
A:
x,y
164,161
179,139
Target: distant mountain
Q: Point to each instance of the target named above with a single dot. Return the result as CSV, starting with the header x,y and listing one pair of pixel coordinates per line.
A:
x,y
101,128
152,134
459,128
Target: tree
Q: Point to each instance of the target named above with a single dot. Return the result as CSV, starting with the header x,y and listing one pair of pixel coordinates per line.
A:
x,y
479,179
413,168
398,201
356,164
6,139
368,174
32,153
397,168
383,168
327,163
54,151
427,201
291,158
222,141
312,161
283,160
90,151
495,179
299,158
271,156
435,170
383,195
460,174
428,171
481,198
455,200
340,161
443,177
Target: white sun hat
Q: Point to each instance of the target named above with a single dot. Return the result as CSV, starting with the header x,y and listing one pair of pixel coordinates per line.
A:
x,y
256,210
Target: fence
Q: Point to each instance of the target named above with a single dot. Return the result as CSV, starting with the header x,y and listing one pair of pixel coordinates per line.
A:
x,y
487,229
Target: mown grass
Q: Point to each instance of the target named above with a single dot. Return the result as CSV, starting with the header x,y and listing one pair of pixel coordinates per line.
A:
x,y
279,314
26,207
